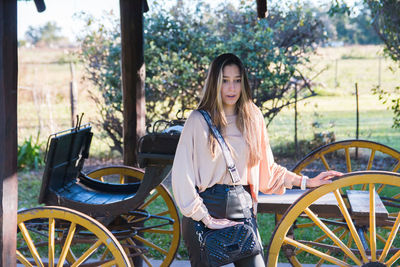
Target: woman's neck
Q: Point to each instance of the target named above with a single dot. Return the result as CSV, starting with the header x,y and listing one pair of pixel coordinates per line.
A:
x,y
229,110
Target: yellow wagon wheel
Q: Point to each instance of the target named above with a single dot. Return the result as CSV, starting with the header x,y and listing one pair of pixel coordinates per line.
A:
x,y
367,238
157,234
345,156
48,236
357,155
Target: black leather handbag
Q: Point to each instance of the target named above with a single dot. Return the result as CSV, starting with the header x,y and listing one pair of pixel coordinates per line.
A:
x,y
224,246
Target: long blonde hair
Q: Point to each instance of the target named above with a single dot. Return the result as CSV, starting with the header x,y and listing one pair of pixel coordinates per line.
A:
x,y
246,120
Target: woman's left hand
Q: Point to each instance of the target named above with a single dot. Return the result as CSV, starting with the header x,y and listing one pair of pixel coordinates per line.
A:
x,y
323,178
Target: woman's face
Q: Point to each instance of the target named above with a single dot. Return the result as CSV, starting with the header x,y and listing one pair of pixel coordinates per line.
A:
x,y
231,86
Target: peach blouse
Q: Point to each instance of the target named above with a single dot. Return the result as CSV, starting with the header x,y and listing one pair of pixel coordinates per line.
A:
x,y
194,165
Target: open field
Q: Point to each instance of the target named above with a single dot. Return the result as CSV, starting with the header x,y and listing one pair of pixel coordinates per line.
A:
x,y
44,97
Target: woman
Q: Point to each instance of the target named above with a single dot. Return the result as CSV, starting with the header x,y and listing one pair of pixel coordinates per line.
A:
x,y
199,165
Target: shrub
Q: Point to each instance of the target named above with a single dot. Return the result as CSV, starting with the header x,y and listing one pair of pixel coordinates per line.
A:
x,y
30,154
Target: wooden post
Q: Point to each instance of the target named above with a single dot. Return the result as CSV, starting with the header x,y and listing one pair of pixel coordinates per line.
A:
x,y
379,72
133,76
8,132
357,118
262,11
296,145
73,92
336,73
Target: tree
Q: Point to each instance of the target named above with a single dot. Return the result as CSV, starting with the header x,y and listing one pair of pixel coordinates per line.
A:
x,y
48,33
386,22
101,54
272,51
181,42
385,18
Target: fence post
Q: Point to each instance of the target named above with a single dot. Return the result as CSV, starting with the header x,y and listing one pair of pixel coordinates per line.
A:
x,y
336,73
357,118
73,94
379,72
295,122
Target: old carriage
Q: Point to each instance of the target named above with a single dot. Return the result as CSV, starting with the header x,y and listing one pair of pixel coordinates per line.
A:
x,y
114,215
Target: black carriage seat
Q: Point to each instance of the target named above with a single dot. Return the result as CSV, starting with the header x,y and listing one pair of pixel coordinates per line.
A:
x,y
64,184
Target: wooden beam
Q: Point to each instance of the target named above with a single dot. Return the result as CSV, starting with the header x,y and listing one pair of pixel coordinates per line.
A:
x,y
262,11
133,76
8,132
40,5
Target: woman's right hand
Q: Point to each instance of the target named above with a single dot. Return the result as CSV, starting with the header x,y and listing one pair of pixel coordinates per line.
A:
x,y
213,223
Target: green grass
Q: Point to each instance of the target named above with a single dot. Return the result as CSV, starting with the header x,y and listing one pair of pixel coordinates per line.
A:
x,y
335,114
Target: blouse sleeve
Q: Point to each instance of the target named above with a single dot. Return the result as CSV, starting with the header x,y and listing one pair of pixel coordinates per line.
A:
x,y
183,174
274,179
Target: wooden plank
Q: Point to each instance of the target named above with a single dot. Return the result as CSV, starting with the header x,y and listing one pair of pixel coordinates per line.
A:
x,y
262,11
8,132
359,204
324,206
133,76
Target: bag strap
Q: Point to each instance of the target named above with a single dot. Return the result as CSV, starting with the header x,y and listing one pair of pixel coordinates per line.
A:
x,y
229,162
225,149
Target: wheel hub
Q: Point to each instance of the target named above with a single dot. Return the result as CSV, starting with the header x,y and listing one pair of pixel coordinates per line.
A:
x,y
374,264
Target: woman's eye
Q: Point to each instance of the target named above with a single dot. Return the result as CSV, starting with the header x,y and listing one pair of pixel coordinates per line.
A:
x,y
238,80
225,81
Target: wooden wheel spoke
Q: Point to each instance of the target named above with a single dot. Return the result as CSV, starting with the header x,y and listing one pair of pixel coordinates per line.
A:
x,y
323,159
331,235
348,160
23,260
30,244
381,238
159,231
314,252
67,245
319,239
150,244
51,241
163,213
394,258
397,167
380,188
351,225
350,240
391,238
372,221
87,253
105,254
321,261
371,159
143,256
149,201
345,232
397,196
305,225
110,263
146,260
121,179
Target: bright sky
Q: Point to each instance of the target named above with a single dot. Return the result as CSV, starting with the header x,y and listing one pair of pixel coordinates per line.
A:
x,y
61,11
